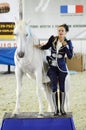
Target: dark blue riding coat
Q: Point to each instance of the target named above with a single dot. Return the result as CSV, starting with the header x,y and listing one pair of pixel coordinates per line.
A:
x,y
60,56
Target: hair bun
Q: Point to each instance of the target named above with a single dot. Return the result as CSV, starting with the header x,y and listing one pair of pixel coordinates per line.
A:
x,y
66,27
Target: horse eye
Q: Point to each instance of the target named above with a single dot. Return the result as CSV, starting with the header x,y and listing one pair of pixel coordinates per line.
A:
x,y
26,34
15,34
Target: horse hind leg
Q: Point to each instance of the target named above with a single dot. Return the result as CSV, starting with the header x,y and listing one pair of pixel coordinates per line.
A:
x,y
48,94
39,91
67,89
19,76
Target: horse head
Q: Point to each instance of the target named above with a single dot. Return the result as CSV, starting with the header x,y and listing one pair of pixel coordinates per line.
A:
x,y
21,34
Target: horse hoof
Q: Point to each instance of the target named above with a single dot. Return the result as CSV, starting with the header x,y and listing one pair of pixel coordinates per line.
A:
x,y
15,114
41,114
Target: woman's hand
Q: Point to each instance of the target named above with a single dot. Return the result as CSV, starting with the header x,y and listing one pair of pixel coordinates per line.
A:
x,y
64,43
39,45
42,44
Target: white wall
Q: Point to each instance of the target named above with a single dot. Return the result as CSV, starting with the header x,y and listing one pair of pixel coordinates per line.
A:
x,y
79,46
4,68
52,16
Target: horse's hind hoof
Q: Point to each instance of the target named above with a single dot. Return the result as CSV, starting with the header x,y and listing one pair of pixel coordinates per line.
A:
x,y
14,115
41,115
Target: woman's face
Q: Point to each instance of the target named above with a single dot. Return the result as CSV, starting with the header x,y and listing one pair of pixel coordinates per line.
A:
x,y
61,32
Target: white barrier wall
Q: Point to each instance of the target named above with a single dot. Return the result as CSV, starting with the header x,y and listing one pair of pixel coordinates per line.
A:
x,y
79,46
4,68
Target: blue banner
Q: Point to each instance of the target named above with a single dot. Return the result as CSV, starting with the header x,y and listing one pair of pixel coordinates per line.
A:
x,y
7,56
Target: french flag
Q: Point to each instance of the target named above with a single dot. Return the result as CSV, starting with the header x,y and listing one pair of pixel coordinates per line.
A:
x,y
71,9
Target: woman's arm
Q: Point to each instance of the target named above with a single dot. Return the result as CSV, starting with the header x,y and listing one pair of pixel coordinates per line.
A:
x,y
48,44
69,49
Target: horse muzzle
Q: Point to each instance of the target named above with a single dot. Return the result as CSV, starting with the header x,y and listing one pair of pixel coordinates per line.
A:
x,y
20,54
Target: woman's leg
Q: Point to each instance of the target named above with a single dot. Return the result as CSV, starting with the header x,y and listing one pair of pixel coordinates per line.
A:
x,y
52,73
62,77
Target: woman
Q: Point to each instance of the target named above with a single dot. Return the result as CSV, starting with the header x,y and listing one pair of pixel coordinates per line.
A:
x,y
57,72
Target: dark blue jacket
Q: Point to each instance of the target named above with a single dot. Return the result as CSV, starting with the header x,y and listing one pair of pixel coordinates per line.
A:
x,y
60,57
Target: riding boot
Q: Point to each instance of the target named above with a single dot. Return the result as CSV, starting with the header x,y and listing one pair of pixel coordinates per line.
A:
x,y
55,102
62,101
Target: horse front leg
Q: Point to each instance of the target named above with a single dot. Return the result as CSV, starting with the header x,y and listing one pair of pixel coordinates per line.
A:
x,y
19,75
40,91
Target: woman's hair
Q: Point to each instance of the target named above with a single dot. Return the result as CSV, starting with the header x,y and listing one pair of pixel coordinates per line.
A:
x,y
65,26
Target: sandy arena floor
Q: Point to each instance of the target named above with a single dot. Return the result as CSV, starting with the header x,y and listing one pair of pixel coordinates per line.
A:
x,y
29,101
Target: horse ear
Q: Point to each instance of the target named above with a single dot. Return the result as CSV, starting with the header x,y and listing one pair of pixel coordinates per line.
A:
x,y
16,20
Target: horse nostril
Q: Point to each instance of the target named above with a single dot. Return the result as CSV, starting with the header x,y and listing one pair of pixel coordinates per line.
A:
x,y
21,54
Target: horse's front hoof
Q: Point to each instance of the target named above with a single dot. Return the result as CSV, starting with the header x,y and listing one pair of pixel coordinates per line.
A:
x,y
15,114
